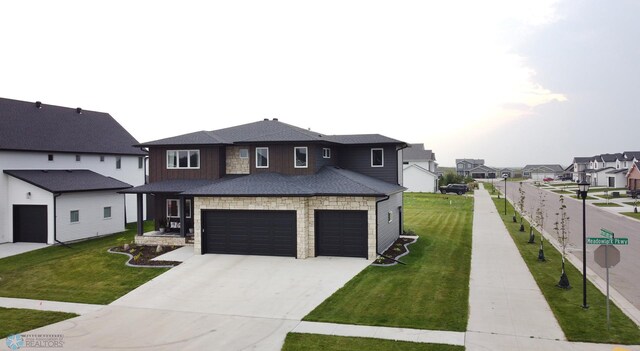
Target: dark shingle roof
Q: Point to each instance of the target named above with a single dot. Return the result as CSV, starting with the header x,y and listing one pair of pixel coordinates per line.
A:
x,y
632,154
168,186
553,168
582,159
66,181
416,152
25,127
482,168
611,157
268,131
328,181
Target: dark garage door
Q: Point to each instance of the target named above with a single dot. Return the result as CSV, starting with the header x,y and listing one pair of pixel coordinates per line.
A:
x,y
242,232
30,223
341,233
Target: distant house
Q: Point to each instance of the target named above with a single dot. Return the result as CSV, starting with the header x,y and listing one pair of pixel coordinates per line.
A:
x,y
419,169
483,172
608,170
508,171
540,172
633,177
465,165
60,173
580,164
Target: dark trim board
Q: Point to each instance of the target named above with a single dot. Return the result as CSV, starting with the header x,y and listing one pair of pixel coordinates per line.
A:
x,y
249,232
30,223
341,233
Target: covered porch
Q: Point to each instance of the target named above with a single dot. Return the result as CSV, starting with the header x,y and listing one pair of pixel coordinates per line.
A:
x,y
173,214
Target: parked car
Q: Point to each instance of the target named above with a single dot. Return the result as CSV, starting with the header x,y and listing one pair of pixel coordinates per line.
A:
x,y
566,177
454,188
548,179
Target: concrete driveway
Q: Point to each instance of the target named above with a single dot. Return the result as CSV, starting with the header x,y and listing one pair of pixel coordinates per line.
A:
x,y
12,249
212,302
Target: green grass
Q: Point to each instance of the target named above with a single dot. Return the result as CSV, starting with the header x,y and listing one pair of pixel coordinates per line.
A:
x,y
588,197
85,273
631,203
604,204
608,197
519,179
311,342
568,184
16,320
563,192
631,214
432,290
578,324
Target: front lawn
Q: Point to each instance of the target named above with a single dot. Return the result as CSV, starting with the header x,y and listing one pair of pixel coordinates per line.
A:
x,y
85,273
432,290
577,323
563,192
17,320
604,204
631,214
588,198
311,342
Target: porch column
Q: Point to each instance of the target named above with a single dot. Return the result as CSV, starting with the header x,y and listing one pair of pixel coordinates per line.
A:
x,y
182,221
140,215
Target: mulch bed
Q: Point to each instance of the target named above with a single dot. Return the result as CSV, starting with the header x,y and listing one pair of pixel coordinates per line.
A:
x,y
394,251
142,255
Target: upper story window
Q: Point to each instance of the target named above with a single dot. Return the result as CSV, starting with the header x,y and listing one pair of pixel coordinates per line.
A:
x,y
78,158
118,162
460,165
101,158
617,164
244,153
377,157
326,152
50,157
595,165
183,159
140,162
262,157
625,164
301,156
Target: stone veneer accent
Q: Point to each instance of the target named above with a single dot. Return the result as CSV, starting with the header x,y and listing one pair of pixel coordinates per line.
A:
x,y
163,240
235,164
305,215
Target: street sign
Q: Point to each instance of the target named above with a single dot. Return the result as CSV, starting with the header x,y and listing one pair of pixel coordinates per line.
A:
x,y
606,256
607,241
606,234
598,241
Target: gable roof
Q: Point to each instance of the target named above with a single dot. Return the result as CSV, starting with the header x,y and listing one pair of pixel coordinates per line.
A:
x,y
482,168
422,169
611,157
552,168
470,160
67,181
630,155
416,152
582,159
25,127
268,131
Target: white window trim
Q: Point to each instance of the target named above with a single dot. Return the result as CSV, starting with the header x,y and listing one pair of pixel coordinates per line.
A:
x,y
178,159
376,149
240,153
262,148
306,163
187,203
390,216
326,152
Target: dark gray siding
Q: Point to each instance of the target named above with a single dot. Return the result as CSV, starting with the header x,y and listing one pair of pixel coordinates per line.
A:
x,y
321,161
358,159
388,232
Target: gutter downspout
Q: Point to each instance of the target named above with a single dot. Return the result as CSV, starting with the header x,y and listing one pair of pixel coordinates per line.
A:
x,y
55,221
377,202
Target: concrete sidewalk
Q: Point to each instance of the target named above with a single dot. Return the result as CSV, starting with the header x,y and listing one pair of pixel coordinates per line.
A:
x,y
504,298
45,305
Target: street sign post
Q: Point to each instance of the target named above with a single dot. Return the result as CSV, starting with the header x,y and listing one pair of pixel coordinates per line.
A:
x,y
607,255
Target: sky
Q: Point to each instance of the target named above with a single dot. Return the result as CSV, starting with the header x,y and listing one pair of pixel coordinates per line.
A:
x,y
512,82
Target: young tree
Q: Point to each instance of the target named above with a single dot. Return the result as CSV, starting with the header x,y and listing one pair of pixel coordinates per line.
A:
x,y
521,206
561,227
539,220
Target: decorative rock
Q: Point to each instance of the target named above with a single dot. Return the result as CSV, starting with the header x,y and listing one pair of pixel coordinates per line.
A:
x,y
125,247
159,249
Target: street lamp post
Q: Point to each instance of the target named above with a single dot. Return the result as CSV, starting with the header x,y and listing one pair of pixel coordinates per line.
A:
x,y
583,189
505,176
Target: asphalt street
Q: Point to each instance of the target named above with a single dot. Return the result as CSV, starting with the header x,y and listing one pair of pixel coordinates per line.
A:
x,y
624,276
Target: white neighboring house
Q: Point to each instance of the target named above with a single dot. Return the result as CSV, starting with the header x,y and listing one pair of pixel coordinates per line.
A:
x,y
61,170
419,169
541,172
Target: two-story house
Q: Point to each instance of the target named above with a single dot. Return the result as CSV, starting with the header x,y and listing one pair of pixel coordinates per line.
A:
x,y
419,169
269,188
580,165
60,173
465,165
